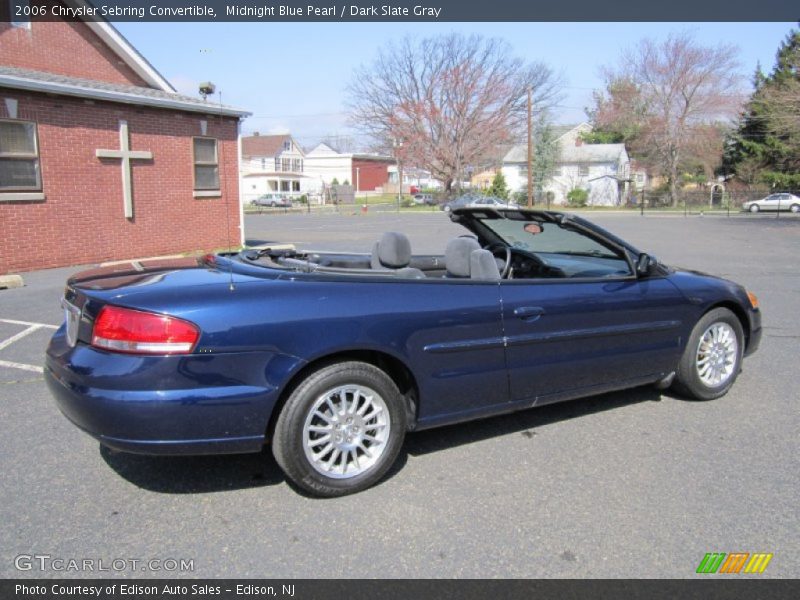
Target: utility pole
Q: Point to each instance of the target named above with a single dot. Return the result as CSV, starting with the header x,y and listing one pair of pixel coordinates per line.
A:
x,y
530,150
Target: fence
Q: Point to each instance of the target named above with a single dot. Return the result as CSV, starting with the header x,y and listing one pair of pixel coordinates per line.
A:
x,y
718,201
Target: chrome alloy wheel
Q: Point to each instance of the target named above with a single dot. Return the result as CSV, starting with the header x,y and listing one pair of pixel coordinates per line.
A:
x,y
716,354
346,431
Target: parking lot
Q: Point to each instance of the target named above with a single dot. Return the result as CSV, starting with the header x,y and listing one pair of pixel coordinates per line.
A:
x,y
632,484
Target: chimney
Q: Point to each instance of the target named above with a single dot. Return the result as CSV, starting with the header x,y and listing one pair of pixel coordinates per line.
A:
x,y
578,141
255,134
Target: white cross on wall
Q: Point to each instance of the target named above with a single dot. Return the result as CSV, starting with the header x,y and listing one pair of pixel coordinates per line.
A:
x,y
127,155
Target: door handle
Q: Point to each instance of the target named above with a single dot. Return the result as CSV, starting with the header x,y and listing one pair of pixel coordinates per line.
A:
x,y
528,313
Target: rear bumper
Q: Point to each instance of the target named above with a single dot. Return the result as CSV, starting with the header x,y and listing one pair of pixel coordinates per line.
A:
x,y
167,405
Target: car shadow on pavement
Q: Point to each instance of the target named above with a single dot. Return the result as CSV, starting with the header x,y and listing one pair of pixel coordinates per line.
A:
x,y
525,421
195,474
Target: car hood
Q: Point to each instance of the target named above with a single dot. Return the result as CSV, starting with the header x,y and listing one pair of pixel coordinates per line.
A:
x,y
700,287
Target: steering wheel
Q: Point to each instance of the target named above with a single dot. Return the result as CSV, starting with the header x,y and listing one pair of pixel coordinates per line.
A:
x,y
496,248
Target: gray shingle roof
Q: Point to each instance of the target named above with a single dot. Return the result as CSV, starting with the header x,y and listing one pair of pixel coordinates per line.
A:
x,y
591,153
26,79
570,153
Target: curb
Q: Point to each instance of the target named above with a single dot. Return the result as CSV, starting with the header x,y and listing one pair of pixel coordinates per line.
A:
x,y
11,281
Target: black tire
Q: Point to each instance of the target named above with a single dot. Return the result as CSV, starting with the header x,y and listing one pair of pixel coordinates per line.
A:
x,y
754,208
272,204
288,438
795,208
687,378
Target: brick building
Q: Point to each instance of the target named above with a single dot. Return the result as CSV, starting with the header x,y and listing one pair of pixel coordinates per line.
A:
x,y
100,158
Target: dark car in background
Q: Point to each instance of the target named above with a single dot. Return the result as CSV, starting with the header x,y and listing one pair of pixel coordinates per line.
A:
x,y
331,358
423,200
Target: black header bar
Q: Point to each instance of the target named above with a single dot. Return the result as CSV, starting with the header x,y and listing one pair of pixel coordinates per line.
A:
x,y
406,11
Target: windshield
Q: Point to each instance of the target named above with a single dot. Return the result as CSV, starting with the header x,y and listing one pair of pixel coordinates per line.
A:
x,y
552,238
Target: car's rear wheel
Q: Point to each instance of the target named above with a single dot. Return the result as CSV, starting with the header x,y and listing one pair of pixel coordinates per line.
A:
x,y
754,208
340,430
795,208
713,356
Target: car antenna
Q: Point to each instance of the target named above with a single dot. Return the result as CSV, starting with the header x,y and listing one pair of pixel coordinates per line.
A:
x,y
225,199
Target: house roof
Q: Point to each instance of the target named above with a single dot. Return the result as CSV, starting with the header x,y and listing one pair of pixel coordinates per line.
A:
x,y
122,48
591,153
50,83
323,149
519,152
264,145
570,153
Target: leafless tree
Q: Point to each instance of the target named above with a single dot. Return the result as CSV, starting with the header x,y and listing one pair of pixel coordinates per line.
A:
x,y
671,92
448,103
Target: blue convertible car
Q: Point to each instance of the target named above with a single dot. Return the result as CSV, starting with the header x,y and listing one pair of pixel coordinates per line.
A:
x,y
332,358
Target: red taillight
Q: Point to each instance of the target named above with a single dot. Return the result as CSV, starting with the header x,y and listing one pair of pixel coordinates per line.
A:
x,y
137,332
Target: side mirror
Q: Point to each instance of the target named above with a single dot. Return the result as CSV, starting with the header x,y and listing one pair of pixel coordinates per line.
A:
x,y
645,264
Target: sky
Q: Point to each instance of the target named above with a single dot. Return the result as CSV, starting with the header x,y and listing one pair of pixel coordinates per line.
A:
x,y
292,76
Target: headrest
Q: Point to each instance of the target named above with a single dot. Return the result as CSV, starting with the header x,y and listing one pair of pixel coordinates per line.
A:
x,y
392,251
457,254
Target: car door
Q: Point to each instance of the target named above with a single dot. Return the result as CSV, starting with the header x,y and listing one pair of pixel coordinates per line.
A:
x,y
568,338
772,202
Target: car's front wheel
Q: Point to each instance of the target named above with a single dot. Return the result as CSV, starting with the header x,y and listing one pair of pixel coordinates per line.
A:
x,y
340,430
754,208
713,356
795,208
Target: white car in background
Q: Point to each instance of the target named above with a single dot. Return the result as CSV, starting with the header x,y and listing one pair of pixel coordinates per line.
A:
x,y
782,201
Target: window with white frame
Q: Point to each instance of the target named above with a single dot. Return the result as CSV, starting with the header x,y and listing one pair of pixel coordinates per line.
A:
x,y
19,157
583,170
206,164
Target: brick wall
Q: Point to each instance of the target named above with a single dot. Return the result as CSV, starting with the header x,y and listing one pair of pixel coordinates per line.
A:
x,y
371,174
82,220
63,48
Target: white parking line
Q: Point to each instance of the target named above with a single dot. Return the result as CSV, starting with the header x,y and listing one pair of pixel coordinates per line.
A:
x,y
28,323
14,338
23,366
30,328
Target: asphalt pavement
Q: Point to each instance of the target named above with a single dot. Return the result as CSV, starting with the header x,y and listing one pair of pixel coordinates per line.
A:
x,y
632,484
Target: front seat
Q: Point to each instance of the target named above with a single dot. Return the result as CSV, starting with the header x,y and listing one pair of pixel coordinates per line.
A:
x,y
464,258
457,256
392,251
483,266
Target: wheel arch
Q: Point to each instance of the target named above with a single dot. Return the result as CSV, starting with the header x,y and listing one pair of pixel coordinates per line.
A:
x,y
395,368
740,314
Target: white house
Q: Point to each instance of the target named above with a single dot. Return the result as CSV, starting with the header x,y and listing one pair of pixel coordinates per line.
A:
x,y
365,172
273,163
600,169
325,164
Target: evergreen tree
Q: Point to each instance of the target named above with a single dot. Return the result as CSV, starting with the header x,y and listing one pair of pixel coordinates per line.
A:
x,y
765,148
546,154
498,189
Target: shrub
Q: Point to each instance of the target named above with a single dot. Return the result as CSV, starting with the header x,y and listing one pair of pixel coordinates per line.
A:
x,y
577,197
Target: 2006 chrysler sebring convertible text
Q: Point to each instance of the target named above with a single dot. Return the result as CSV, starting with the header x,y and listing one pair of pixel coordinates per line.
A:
x,y
332,358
